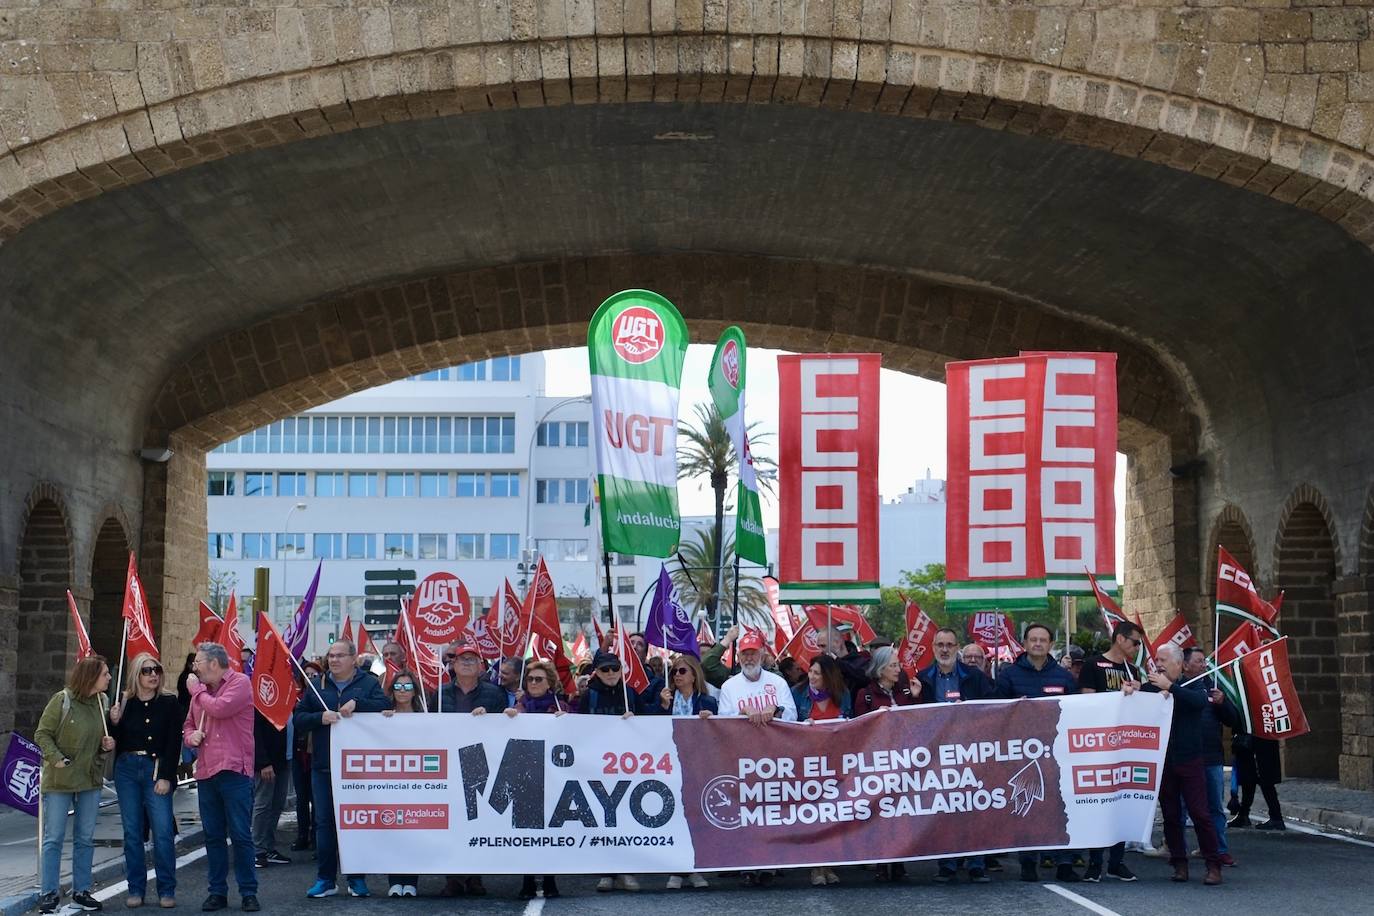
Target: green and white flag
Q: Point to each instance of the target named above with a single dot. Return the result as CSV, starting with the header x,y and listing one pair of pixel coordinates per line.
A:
x,y
636,343
727,390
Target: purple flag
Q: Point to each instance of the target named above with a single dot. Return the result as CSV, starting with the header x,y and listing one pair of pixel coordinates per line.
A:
x,y
297,634
669,624
19,788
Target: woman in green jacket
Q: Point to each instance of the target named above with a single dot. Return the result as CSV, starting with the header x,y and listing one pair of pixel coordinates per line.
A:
x,y
71,735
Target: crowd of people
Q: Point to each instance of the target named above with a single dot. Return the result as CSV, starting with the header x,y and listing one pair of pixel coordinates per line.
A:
x,y
244,766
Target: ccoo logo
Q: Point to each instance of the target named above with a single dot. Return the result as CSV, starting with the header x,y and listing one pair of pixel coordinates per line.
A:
x,y
637,334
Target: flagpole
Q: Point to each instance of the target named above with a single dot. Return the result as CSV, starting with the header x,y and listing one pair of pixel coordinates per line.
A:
x,y
123,645
303,675
735,611
529,621
1216,669
41,806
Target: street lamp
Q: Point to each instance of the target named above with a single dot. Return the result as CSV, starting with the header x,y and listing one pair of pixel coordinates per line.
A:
x,y
529,470
286,530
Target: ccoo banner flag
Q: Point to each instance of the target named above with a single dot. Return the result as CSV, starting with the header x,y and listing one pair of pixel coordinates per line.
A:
x,y
536,794
636,343
1269,701
1032,461
727,391
828,478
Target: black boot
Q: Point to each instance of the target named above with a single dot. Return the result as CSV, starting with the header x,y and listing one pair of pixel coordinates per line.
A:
x,y
527,888
550,887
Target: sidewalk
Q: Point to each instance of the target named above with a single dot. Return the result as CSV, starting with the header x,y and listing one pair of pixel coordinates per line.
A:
x,y
1324,803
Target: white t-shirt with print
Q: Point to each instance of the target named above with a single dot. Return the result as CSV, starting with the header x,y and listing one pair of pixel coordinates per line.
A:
x,y
740,696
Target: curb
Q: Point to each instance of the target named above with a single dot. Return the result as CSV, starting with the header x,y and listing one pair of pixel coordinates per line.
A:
x,y
1345,822
101,874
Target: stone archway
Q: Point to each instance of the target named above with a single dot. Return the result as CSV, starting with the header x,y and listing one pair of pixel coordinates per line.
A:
x,y
41,628
109,566
1306,563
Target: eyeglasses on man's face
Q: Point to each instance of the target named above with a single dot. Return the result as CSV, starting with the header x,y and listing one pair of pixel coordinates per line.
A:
x,y
608,669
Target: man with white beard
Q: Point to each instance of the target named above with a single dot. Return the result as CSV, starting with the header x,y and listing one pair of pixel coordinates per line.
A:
x,y
761,695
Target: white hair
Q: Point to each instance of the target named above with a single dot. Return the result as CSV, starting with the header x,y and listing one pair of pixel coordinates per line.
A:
x,y
1171,650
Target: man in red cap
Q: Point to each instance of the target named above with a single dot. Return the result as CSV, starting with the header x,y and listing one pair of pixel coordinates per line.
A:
x,y
761,695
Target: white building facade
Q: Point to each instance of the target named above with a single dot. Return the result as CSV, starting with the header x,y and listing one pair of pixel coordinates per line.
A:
x,y
469,470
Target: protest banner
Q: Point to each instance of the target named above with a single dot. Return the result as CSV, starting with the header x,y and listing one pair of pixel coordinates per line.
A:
x,y
917,650
727,380
19,774
537,794
828,478
1032,459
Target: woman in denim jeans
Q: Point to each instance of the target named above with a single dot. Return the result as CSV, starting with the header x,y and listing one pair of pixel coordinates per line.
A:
x,y
146,725
71,735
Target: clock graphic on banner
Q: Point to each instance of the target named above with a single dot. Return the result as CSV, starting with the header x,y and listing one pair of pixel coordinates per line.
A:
x,y
720,803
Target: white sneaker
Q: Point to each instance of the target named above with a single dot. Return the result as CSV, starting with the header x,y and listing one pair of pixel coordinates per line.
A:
x,y
698,880
1157,852
395,891
675,883
408,891
605,884
626,883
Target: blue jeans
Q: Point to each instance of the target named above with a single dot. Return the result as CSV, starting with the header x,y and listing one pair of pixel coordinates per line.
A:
x,y
140,807
326,840
55,807
1216,806
226,812
971,862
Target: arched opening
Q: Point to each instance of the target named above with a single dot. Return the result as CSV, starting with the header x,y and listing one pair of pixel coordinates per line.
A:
x,y
1305,572
1231,533
45,568
109,564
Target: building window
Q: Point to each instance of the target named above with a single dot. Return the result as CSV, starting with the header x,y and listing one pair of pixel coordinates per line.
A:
x,y
469,547
548,548
568,434
624,585
362,547
505,546
471,484
221,545
257,483
290,545
549,435
546,491
328,610
329,547
398,546
433,485
291,483
221,483
257,546
574,548
575,491
472,372
435,546
624,559
575,434
505,369
364,484
330,483
505,484
398,484
626,612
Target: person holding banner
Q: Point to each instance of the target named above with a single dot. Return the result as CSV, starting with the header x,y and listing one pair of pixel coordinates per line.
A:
x,y
760,695
687,696
337,695
467,690
539,696
607,694
402,691
220,726
146,726
1036,674
71,735
973,656
888,684
1218,712
825,696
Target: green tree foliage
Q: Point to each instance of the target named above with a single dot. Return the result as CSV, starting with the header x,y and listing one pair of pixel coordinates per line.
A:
x,y
695,585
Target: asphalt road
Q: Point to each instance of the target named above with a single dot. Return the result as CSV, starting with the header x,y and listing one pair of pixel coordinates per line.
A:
x,y
1290,872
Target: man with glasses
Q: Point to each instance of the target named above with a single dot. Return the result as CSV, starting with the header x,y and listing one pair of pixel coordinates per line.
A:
x,y
345,690
394,656
1113,670
973,656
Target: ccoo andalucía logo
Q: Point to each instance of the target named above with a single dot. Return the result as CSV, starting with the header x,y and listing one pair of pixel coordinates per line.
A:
x,y
637,334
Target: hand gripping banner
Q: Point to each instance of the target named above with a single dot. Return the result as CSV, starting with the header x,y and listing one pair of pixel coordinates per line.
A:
x,y
636,343
828,479
545,794
1032,460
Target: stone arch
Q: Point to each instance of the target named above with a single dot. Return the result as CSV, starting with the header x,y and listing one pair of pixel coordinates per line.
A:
x,y
40,632
109,567
1366,546
1306,564
1231,530
1141,88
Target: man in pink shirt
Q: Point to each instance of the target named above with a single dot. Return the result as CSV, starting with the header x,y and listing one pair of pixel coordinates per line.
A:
x,y
219,726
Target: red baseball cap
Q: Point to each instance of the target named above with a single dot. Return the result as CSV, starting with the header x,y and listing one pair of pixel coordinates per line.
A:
x,y
750,639
464,647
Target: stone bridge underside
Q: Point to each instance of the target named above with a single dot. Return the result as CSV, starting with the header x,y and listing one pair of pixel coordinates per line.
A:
x,y
215,217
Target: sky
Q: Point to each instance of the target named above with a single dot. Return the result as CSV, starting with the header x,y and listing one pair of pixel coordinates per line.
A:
x,y
911,434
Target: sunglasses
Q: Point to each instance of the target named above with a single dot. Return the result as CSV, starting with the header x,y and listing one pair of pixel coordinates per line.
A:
x,y
608,669
536,679
1134,641
683,671
403,686
150,670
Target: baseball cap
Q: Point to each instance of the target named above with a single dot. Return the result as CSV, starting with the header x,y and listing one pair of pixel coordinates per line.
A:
x,y
750,639
463,647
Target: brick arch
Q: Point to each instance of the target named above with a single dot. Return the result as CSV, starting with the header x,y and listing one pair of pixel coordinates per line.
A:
x,y
1366,546
1231,530
109,560
41,643
1306,564
1305,494
1191,89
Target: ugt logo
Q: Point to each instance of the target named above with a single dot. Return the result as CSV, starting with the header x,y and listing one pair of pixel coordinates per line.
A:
x,y
637,334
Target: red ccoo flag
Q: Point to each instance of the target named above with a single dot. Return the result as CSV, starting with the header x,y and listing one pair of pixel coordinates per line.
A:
x,y
1244,639
842,613
210,624
229,635
138,625
1111,611
274,685
803,646
1237,596
1269,700
83,642
918,649
1177,632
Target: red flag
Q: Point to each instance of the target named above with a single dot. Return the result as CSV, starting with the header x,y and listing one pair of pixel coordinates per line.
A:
x,y
83,642
727,657
1268,698
365,644
424,660
210,623
636,678
541,605
1236,594
803,645
581,652
918,648
993,631
138,625
229,635
704,635
346,631
601,636
274,688
1246,638
1111,611
842,613
1177,632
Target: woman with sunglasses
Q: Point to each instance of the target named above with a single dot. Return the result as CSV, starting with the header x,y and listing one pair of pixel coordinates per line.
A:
x,y
402,694
607,695
686,696
539,696
146,725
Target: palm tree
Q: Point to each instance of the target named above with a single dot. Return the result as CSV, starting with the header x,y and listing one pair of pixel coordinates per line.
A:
x,y
695,591
709,453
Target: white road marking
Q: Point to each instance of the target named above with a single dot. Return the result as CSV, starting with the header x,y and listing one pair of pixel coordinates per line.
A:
x,y
1317,831
121,887
1084,902
534,907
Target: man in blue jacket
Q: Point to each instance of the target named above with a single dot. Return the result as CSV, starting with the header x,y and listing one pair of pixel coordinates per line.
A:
x,y
1036,674
345,690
